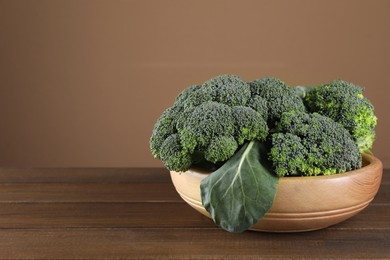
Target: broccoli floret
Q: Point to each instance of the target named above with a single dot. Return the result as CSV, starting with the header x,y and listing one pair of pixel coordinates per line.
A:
x,y
182,118
212,124
249,124
225,89
229,90
197,96
203,123
280,97
220,148
164,127
287,154
312,144
204,131
260,105
183,96
344,102
173,155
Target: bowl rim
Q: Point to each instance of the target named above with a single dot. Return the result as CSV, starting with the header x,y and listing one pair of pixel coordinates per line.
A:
x,y
372,164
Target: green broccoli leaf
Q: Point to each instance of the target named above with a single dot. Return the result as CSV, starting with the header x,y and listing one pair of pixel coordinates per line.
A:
x,y
239,193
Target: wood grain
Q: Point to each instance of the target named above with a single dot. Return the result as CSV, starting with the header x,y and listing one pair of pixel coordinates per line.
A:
x,y
88,192
97,213
75,215
139,215
190,244
84,175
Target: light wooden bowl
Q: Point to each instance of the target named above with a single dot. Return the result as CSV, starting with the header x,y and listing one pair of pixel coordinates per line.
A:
x,y
302,203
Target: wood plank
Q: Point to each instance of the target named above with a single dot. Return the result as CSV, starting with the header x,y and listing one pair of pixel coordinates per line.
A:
x,y
70,215
84,175
386,176
375,217
97,192
141,215
191,244
88,192
383,195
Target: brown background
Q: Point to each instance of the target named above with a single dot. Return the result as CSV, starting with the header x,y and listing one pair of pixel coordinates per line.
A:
x,y
83,82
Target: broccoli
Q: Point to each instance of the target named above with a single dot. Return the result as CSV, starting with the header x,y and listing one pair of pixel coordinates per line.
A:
x,y
165,126
249,124
182,97
173,155
260,105
249,134
344,102
288,154
280,97
205,122
309,131
221,148
226,89
312,144
196,96
209,122
229,90
216,130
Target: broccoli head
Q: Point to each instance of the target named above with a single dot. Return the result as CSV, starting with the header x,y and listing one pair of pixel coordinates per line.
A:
x,y
217,130
312,144
344,103
209,122
280,97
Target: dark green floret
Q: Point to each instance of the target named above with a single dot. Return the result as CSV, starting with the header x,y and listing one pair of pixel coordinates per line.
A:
x,y
280,97
197,96
249,124
173,155
312,144
206,121
288,154
183,96
260,105
228,89
344,102
220,148
209,122
164,127
225,89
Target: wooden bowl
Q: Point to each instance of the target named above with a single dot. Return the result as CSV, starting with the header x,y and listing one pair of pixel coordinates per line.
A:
x,y
302,203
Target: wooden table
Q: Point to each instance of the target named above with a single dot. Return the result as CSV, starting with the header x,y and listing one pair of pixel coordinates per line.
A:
x,y
100,213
